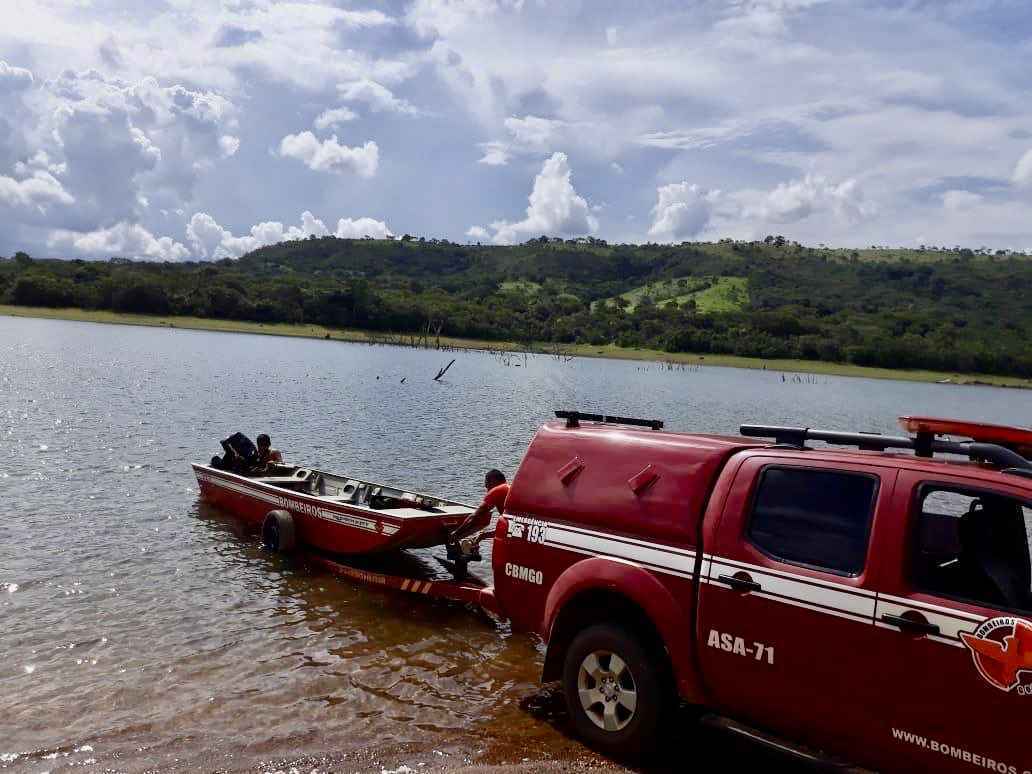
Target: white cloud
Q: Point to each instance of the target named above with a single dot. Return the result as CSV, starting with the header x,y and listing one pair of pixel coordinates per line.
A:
x,y
125,240
330,156
959,201
359,228
229,145
38,192
534,131
537,135
332,119
478,233
681,211
496,154
674,91
113,147
555,208
799,199
441,17
14,78
1023,170
211,241
375,95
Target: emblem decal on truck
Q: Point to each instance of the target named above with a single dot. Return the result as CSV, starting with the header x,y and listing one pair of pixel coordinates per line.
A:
x,y
528,528
1002,651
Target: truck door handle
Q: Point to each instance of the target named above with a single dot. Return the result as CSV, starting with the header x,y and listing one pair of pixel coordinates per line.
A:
x,y
915,625
740,583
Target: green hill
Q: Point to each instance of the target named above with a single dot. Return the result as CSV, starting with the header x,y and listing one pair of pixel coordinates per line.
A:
x,y
945,310
706,295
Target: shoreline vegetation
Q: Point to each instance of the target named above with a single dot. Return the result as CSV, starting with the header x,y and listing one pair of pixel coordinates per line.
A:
x,y
563,352
931,313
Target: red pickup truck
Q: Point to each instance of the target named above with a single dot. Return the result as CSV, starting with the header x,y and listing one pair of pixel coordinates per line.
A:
x,y
872,603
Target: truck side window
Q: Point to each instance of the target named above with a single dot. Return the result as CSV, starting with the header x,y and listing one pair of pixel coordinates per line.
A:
x,y
973,546
815,518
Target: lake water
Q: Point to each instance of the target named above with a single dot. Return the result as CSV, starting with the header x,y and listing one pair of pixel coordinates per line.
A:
x,y
140,629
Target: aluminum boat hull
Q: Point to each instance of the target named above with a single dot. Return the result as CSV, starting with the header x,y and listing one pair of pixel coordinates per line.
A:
x,y
328,523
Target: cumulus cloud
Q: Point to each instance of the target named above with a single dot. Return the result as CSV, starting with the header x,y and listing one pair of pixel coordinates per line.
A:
x,y
681,211
211,241
125,144
674,91
37,193
333,118
125,240
555,208
330,156
377,97
1023,170
799,199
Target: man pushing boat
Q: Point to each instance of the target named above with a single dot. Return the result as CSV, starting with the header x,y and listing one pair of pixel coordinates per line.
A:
x,y
475,528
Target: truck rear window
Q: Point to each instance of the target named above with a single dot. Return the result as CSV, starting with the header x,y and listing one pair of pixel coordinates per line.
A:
x,y
815,518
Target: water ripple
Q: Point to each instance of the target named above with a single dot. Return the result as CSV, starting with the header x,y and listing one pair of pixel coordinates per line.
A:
x,y
143,630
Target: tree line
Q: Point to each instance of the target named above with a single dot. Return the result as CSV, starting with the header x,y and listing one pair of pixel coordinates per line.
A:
x,y
955,310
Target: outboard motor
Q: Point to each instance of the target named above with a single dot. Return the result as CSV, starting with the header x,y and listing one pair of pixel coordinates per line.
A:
x,y
241,454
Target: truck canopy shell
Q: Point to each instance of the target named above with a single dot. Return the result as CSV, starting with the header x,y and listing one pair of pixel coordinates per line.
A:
x,y
646,483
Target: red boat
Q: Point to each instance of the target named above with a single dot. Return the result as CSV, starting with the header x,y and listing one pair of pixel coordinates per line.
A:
x,y
334,513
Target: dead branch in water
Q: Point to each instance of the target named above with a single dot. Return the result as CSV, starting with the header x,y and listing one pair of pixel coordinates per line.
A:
x,y
561,354
443,371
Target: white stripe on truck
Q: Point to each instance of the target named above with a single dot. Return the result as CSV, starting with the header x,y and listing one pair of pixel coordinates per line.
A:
x,y
817,594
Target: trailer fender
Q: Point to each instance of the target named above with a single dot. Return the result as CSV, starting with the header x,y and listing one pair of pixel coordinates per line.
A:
x,y
671,620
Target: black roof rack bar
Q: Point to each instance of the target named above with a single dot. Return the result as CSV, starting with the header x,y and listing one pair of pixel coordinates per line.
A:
x,y
797,436
573,419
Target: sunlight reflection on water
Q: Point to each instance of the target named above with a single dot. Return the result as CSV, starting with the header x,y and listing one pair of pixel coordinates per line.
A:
x,y
143,628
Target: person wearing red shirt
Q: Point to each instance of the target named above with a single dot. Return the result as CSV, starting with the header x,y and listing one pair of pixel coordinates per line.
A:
x,y
497,490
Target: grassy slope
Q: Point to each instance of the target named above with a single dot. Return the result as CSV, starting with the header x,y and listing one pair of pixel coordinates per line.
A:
x,y
726,294
520,286
580,350
712,294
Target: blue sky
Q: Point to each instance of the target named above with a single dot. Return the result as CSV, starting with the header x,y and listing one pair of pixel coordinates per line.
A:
x,y
200,129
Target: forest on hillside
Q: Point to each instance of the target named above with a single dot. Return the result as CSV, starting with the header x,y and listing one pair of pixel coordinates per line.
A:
x,y
949,310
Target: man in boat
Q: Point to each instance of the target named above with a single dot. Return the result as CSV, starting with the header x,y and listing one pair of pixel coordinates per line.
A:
x,y
497,490
266,454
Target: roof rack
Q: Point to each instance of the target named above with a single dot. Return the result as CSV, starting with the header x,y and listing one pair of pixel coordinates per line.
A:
x,y
574,418
923,444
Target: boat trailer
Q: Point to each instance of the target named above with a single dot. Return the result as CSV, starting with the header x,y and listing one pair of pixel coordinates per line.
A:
x,y
470,590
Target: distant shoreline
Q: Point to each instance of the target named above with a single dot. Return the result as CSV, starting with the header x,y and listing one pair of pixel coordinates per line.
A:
x,y
575,350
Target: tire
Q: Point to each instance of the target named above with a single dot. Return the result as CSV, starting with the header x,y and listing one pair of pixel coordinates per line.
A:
x,y
278,531
613,691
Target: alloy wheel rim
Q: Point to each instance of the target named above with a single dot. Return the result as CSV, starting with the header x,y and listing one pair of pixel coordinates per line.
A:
x,y
607,691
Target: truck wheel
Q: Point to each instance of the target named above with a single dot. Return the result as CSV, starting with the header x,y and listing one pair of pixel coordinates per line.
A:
x,y
613,692
278,531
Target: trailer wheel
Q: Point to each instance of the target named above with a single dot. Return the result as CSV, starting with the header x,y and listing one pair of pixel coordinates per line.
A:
x,y
612,690
278,531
